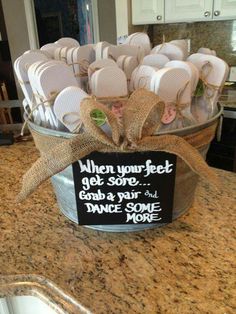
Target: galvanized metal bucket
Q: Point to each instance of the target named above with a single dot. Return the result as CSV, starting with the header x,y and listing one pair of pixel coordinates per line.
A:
x,y
185,182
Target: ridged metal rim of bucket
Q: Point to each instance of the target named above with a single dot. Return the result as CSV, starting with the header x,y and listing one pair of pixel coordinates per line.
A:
x,y
180,132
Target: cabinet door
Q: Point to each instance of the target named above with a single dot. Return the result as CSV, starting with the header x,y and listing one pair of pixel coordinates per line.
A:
x,y
188,10
224,9
147,11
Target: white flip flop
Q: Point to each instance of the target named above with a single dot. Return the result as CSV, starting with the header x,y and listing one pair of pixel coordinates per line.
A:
x,y
109,82
139,39
156,60
168,83
127,64
67,107
141,77
47,86
172,51
67,42
189,67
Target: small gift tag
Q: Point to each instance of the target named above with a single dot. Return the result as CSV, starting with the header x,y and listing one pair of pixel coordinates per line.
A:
x,y
169,114
128,188
199,92
117,108
98,117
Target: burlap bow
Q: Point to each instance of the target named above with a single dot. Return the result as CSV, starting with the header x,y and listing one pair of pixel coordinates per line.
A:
x,y
142,115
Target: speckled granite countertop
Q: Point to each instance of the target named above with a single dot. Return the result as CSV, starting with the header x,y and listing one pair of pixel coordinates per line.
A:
x,y
186,267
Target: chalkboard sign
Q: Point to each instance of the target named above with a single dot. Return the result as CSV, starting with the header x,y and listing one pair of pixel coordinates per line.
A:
x,y
125,188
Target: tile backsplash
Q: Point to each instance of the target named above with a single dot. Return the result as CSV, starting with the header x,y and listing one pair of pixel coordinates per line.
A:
x,y
218,35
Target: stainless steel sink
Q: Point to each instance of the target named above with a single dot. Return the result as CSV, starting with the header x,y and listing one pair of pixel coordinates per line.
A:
x,y
33,294
24,305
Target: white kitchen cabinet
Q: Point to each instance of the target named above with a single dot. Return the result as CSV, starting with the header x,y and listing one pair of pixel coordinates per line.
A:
x,y
147,11
188,10
171,11
224,9
199,10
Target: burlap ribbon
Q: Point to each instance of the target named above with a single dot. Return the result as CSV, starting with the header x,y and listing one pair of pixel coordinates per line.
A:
x,y
142,115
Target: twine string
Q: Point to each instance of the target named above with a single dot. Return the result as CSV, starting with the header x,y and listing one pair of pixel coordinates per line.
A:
x,y
179,105
46,103
93,70
83,67
110,56
145,81
139,79
204,73
23,82
162,44
76,114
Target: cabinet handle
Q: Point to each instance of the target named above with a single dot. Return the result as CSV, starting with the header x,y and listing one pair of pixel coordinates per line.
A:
x,y
207,13
217,13
159,17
